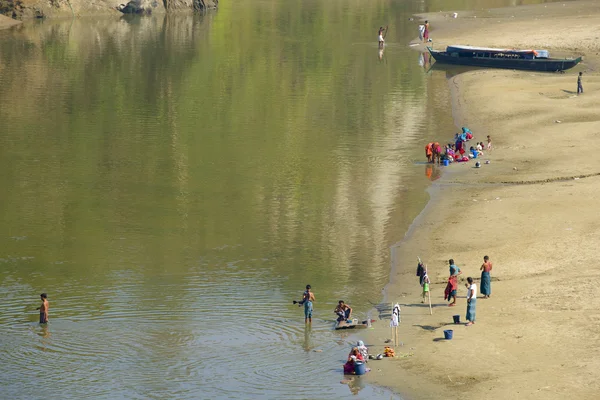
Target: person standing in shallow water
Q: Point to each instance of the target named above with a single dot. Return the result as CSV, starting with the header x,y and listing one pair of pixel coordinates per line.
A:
x,y
380,36
307,300
44,308
426,32
486,279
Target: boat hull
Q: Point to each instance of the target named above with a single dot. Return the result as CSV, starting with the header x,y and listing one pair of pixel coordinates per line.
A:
x,y
537,64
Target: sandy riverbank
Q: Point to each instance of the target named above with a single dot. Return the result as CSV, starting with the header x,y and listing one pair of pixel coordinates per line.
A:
x,y
6,22
536,336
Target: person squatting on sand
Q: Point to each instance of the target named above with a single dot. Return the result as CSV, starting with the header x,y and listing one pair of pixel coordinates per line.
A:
x,y
471,301
486,279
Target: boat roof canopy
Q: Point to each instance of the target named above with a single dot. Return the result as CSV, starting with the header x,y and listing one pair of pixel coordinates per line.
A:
x,y
492,50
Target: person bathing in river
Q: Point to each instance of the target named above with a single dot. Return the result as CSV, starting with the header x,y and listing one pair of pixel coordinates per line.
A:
x,y
44,308
380,35
343,311
307,300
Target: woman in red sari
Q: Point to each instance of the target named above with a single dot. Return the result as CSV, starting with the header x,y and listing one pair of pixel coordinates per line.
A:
x,y
353,357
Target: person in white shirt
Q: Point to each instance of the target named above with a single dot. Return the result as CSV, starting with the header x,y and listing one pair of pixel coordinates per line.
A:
x,y
471,301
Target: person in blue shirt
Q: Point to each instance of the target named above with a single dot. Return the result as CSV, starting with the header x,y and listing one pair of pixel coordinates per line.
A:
x,y
454,271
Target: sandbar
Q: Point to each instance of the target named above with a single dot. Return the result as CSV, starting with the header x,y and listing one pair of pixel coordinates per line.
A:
x,y
532,210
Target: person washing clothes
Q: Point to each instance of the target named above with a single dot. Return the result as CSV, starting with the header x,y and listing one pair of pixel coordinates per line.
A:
x,y
343,311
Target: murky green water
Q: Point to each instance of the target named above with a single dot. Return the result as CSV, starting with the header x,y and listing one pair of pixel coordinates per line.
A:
x,y
173,183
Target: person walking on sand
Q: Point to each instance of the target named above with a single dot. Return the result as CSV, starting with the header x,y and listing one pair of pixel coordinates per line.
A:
x,y
471,301
579,86
489,145
486,279
44,308
307,300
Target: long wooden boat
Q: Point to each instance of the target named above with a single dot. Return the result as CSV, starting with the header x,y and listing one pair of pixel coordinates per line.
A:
x,y
532,60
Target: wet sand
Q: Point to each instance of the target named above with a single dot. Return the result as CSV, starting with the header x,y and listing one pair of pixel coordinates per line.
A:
x,y
532,210
6,22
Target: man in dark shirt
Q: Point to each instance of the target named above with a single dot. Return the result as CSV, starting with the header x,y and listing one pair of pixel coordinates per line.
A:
x,y
579,86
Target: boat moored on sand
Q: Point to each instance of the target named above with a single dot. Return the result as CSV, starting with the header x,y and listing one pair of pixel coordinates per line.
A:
x,y
531,60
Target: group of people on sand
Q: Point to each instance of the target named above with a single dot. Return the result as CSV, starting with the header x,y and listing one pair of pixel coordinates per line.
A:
x,y
485,287
456,152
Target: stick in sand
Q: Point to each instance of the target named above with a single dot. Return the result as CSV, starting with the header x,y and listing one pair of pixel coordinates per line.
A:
x,y
429,293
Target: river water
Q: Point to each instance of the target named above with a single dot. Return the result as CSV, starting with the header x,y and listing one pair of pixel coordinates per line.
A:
x,y
173,183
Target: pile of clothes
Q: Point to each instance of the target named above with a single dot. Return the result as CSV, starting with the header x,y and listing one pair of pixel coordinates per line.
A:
x,y
389,352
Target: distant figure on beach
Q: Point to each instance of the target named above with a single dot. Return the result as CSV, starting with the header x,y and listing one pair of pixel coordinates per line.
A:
x,y
380,35
471,301
489,139
486,279
453,282
426,32
425,286
450,291
307,300
343,311
44,308
579,86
